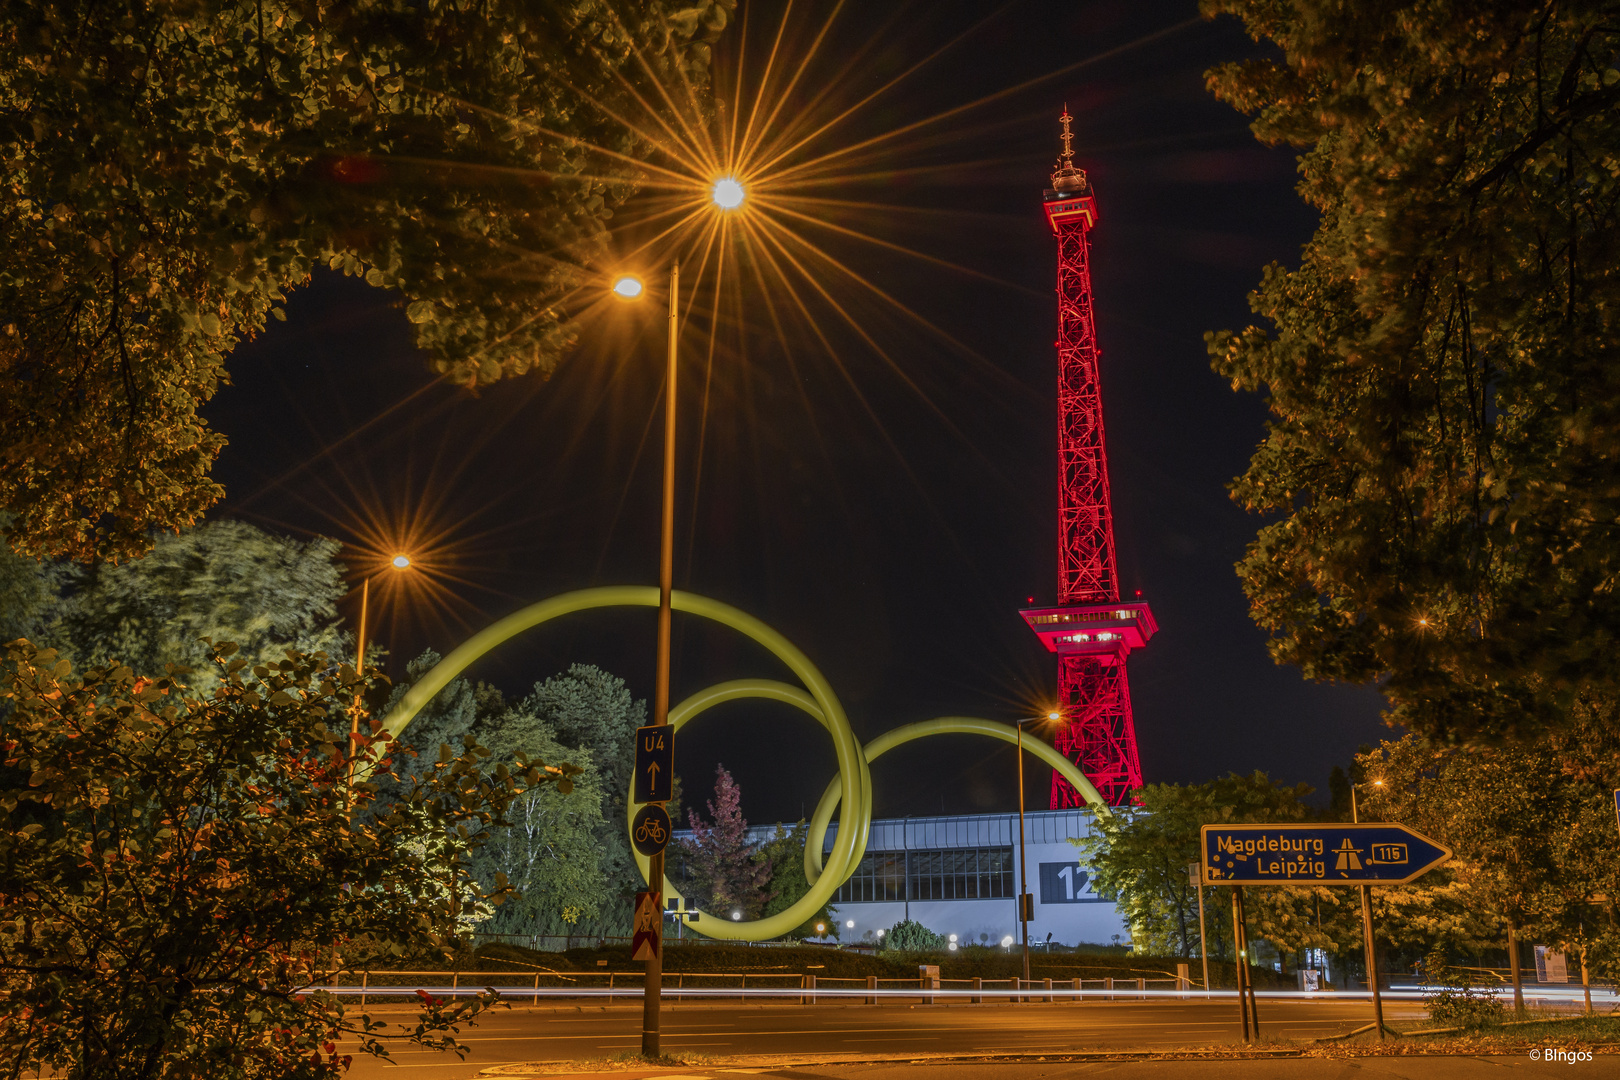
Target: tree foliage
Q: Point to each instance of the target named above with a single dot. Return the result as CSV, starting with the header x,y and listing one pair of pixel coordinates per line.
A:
x,y
568,858
225,581
593,710
178,867
169,169
784,854
1533,831
730,874
1442,465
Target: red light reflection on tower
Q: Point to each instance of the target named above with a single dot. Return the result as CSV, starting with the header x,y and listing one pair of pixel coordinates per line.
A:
x,y
1091,631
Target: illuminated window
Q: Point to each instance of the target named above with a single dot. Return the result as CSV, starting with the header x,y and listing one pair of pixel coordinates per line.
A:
x,y
970,874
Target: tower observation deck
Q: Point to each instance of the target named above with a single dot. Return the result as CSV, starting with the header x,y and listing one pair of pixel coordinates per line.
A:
x,y
1091,630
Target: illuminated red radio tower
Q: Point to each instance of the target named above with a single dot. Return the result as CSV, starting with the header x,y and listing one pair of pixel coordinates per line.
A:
x,y
1091,630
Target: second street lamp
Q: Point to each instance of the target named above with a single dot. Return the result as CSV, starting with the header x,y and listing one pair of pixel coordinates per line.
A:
x,y
398,562
1026,902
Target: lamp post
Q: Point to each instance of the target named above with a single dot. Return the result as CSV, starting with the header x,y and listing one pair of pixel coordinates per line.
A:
x,y
1367,927
1026,902
397,563
629,287
726,194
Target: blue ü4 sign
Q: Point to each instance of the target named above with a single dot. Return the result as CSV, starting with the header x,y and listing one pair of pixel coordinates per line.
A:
x,y
655,764
1375,853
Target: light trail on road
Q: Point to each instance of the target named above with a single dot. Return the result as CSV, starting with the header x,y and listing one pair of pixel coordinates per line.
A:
x,y
1000,995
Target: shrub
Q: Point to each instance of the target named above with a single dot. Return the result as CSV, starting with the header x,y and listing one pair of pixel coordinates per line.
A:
x,y
1455,1001
911,936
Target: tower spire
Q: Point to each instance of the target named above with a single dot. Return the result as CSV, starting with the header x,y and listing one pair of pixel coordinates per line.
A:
x,y
1067,178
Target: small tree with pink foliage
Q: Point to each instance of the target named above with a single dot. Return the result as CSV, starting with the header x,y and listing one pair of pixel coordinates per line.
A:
x,y
723,862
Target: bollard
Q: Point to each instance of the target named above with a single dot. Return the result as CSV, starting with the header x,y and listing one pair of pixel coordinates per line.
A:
x,y
1074,984
1014,984
535,1001
810,981
364,976
455,979
871,984
978,984
1141,984
1048,987
928,975
1183,980
1108,988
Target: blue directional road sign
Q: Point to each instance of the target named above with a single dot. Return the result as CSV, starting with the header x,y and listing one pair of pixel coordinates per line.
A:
x,y
655,764
1374,853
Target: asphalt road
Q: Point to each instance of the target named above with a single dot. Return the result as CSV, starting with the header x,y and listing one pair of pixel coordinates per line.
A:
x,y
1363,1068
720,1030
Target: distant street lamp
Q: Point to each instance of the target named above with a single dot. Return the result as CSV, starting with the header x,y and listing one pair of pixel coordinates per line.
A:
x,y
1026,902
398,562
727,193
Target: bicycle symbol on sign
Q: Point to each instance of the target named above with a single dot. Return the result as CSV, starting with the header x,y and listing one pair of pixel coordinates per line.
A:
x,y
650,831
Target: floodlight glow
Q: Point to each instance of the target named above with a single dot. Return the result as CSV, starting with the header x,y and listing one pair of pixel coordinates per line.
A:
x,y
401,562
1054,716
628,287
1006,942
727,193
850,924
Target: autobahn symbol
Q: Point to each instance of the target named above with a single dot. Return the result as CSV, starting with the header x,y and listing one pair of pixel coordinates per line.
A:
x,y
655,763
1372,853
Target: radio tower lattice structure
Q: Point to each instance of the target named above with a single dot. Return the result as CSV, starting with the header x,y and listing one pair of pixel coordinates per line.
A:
x,y
1091,630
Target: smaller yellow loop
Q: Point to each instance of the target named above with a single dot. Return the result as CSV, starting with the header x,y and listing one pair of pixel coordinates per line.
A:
x,y
810,903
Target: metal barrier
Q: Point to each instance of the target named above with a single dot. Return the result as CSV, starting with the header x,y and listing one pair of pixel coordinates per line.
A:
x,y
807,988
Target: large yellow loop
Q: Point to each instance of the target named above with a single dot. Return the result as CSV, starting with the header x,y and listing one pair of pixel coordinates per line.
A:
x,y
851,788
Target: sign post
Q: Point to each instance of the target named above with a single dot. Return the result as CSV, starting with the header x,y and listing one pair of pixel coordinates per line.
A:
x,y
1337,854
652,786
1195,873
1239,962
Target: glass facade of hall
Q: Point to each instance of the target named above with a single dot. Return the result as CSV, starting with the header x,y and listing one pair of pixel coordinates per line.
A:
x,y
956,874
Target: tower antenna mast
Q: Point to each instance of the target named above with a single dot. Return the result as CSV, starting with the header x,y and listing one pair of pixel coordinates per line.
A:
x,y
1090,629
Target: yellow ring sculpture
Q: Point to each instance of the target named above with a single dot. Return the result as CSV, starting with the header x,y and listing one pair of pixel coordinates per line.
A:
x,y
851,788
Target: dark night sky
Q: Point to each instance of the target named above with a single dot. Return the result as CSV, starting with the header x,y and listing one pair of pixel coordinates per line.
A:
x,y
888,511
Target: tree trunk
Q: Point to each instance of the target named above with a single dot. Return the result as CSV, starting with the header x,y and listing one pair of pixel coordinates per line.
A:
x,y
1513,967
